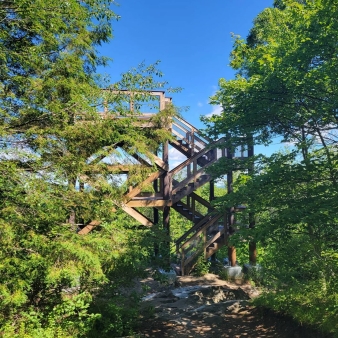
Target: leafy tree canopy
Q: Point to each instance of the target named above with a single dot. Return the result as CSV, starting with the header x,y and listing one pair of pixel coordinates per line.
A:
x,y
52,142
286,87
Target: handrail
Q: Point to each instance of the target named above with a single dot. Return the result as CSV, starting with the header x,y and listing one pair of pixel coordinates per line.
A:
x,y
201,249
191,127
204,227
191,159
197,226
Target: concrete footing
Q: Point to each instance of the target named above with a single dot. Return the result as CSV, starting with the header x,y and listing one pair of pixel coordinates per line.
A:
x,y
250,269
233,272
168,277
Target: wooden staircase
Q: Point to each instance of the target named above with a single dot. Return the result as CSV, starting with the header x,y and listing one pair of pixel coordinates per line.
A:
x,y
207,234
176,189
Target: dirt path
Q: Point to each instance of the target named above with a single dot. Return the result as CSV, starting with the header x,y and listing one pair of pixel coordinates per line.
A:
x,y
210,307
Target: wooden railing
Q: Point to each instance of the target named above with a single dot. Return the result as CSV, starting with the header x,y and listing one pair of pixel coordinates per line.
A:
x,y
196,240
187,133
190,171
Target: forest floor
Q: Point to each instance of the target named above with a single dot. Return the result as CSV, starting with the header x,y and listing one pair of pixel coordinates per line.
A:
x,y
210,307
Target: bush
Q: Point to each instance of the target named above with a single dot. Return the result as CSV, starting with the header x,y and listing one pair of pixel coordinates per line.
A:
x,y
201,268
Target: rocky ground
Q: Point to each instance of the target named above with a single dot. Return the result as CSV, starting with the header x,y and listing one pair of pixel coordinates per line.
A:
x,y
209,307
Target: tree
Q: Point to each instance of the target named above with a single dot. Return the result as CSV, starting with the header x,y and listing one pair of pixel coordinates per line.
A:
x,y
52,141
286,88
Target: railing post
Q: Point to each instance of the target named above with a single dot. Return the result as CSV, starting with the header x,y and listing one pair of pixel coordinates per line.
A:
x,y
167,190
252,244
194,170
231,212
182,262
226,233
192,149
156,219
204,243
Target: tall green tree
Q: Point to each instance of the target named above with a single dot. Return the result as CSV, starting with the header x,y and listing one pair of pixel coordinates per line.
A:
x,y
286,88
52,141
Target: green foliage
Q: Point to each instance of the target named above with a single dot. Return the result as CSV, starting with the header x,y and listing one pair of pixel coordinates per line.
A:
x,y
201,267
52,179
286,87
118,315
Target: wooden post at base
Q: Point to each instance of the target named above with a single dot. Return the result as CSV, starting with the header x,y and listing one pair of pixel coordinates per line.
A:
x,y
211,198
166,226
232,255
231,211
252,245
252,253
166,196
156,219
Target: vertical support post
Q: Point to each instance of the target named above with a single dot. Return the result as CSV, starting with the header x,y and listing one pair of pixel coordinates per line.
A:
x,y
211,198
189,175
225,225
156,219
166,196
182,262
193,208
192,143
231,211
211,191
232,255
194,170
204,243
252,244
81,220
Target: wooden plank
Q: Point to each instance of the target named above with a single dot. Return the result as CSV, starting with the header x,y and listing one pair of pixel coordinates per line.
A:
x,y
201,200
153,195
188,180
137,215
154,158
191,160
158,161
149,203
122,168
185,206
154,176
208,224
89,227
206,221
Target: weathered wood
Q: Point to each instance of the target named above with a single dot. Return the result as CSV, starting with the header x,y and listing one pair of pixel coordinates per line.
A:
x,y
154,176
231,211
200,152
137,215
167,188
205,226
232,255
149,203
156,219
252,244
89,227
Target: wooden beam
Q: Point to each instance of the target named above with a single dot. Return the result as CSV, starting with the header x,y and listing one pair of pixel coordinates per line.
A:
x,y
149,203
154,176
122,168
137,215
89,227
154,158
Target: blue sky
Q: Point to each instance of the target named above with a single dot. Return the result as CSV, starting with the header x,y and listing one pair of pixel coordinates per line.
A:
x,y
192,39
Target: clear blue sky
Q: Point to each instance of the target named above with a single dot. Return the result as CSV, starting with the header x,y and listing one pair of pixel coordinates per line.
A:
x,y
192,39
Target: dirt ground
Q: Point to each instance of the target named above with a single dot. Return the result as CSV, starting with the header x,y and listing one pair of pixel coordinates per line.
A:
x,y
210,307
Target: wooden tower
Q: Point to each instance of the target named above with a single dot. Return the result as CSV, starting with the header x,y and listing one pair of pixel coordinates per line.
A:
x,y
175,189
